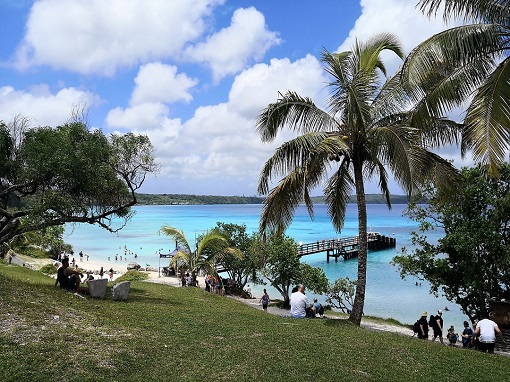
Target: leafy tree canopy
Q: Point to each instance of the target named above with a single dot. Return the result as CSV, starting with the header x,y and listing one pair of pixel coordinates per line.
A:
x,y
471,263
68,174
281,266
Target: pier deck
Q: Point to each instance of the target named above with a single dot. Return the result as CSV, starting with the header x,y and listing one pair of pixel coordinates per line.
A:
x,y
347,247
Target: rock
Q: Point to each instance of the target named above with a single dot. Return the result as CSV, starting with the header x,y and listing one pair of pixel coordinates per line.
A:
x,y
97,288
133,265
120,291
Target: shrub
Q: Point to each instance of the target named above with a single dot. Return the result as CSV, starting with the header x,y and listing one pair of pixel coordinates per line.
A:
x,y
48,269
133,275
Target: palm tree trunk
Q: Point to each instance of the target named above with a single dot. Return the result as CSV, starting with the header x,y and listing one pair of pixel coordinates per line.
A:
x,y
359,299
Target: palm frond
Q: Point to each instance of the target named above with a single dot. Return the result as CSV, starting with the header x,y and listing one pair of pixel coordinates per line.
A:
x,y
337,193
177,235
487,119
294,112
496,11
288,156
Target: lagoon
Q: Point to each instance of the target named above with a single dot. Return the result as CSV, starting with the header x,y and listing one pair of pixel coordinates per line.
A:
x,y
387,296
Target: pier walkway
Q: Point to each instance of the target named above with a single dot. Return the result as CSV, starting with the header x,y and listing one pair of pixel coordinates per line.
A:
x,y
347,247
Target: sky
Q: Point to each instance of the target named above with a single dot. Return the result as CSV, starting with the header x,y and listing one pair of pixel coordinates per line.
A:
x,y
191,74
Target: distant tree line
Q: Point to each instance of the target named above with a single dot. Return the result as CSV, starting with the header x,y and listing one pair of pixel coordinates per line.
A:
x,y
183,199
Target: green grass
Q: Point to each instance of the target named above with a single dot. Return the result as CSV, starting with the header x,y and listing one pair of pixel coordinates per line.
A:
x,y
183,334
132,275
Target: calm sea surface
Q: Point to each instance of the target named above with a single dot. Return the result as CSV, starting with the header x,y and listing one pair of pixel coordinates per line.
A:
x,y
387,294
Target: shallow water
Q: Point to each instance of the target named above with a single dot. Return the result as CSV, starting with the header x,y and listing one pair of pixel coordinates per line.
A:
x,y
387,294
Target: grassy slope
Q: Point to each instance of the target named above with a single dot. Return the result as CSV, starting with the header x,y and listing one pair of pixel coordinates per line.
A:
x,y
183,334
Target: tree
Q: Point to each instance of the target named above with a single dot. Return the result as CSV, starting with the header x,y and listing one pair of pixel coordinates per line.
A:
x,y
210,246
341,294
68,174
368,128
240,267
474,63
471,263
283,269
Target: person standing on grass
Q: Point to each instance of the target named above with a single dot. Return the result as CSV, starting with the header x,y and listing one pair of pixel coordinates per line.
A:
x,y
423,332
264,300
438,327
299,303
487,329
467,336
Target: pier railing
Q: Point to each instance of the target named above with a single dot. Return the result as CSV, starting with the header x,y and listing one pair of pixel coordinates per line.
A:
x,y
347,247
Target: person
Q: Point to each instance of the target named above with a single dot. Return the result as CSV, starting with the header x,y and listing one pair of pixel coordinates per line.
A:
x,y
438,327
467,336
452,336
318,309
487,329
264,300
67,277
111,274
423,332
101,273
299,303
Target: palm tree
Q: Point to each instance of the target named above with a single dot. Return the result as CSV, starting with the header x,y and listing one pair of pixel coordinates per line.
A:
x,y
208,249
476,63
364,132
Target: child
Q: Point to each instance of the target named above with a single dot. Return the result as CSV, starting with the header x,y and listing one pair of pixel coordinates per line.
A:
x,y
452,336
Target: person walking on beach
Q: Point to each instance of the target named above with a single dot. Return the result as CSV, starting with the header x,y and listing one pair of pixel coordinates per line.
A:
x,y
264,300
299,303
101,272
423,332
438,327
487,329
111,274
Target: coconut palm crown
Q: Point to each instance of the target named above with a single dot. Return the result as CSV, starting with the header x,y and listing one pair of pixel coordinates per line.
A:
x,y
476,64
367,130
211,246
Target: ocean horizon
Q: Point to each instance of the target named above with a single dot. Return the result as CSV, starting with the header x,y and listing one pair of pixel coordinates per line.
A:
x,y
387,295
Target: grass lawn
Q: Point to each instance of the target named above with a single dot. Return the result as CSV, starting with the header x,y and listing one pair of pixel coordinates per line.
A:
x,y
183,334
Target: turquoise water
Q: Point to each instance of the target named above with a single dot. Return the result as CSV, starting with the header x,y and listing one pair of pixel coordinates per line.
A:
x,y
387,294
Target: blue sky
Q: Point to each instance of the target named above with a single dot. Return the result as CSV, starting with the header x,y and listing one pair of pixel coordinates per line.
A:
x,y
191,74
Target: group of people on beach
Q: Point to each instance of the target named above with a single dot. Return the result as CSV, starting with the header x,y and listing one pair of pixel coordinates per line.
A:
x,y
481,337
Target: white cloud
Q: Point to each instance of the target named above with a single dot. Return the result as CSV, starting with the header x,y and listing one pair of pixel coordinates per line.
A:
x,y
228,51
157,82
99,36
258,86
41,106
400,17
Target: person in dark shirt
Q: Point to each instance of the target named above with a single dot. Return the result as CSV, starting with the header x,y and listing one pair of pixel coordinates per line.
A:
x,y
67,277
438,327
423,333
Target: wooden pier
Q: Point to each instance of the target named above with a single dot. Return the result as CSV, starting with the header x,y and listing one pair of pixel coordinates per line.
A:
x,y
348,247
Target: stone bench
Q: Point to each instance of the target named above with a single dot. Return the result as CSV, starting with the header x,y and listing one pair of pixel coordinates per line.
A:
x,y
120,291
97,288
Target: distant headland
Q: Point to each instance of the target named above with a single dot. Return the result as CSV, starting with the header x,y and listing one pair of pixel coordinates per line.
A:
x,y
182,199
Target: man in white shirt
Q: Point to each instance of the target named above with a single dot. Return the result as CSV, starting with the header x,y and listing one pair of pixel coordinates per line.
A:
x,y
486,330
299,303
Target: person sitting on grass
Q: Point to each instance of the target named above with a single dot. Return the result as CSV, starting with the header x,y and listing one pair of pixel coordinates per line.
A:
x,y
299,304
467,336
317,308
67,277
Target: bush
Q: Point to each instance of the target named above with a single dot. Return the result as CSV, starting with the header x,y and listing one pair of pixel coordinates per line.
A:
x,y
48,269
133,275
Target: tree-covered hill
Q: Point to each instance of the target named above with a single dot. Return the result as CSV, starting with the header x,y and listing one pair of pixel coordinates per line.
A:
x,y
169,199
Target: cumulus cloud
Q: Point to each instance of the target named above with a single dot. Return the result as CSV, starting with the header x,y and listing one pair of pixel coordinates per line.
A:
x,y
157,82
100,36
228,51
400,17
219,141
41,106
261,84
